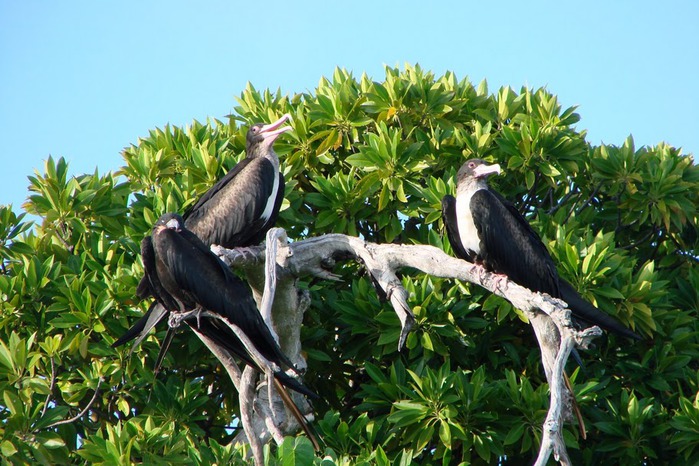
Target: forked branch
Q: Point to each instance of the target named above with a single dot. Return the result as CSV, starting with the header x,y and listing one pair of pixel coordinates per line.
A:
x,y
549,317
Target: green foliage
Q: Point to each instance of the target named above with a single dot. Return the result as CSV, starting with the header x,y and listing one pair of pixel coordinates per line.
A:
x,y
371,159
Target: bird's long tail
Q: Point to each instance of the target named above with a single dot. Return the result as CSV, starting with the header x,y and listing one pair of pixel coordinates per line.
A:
x,y
576,407
297,413
584,310
140,329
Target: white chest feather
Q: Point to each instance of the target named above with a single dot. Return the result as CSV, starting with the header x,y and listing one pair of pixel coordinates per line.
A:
x,y
467,229
272,198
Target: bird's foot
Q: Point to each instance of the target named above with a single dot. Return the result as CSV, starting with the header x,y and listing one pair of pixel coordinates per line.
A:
x,y
500,281
483,274
481,271
222,253
176,318
249,254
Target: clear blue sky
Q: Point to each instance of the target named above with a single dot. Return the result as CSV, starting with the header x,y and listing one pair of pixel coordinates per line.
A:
x,y
84,79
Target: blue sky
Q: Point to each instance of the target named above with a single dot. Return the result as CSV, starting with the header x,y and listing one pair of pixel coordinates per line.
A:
x,y
85,79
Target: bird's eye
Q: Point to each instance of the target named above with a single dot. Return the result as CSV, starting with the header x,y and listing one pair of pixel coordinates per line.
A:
x,y
254,129
472,164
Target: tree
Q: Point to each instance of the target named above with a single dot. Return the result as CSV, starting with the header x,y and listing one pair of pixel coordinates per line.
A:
x,y
368,159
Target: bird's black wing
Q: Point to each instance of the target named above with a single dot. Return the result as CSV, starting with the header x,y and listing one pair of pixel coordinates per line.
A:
x,y
452,224
510,246
229,214
581,308
232,173
144,289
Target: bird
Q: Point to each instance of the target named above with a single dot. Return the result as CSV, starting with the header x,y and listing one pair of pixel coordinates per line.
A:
x,y
236,212
184,276
239,209
484,228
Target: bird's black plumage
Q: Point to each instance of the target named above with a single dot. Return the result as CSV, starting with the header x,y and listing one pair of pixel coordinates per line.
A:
x,y
484,228
236,212
184,275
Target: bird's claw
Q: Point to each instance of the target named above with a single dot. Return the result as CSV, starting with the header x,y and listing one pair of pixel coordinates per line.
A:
x,y
176,318
248,254
500,282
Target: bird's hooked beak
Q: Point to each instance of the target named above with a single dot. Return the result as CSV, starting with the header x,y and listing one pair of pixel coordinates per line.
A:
x,y
273,130
173,224
484,170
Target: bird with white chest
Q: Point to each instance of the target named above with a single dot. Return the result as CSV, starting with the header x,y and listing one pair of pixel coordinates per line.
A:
x,y
484,228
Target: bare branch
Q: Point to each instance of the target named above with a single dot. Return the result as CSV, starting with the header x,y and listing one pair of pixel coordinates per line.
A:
x,y
224,356
246,396
82,412
274,237
245,383
548,316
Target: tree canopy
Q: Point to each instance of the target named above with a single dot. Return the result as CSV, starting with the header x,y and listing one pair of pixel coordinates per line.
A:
x,y
371,159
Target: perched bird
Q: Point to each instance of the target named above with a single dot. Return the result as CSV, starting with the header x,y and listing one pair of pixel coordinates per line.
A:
x,y
184,275
239,209
485,229
236,212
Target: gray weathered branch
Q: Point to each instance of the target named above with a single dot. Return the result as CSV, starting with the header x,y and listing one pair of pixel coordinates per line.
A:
x,y
316,256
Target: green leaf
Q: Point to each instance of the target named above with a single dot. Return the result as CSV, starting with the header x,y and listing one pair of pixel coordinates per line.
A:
x,y
384,197
529,179
514,434
6,357
7,448
296,451
445,433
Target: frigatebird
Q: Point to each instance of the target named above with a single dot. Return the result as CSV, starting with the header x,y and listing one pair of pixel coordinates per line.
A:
x,y
239,209
236,212
486,229
183,275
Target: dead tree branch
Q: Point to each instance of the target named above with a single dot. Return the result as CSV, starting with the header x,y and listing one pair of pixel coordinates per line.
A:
x,y
548,316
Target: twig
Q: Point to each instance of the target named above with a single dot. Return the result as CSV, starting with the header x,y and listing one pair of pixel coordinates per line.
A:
x,y
641,240
51,387
81,413
573,191
588,200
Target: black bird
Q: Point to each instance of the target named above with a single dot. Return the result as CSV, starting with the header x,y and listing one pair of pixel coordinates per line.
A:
x,y
184,275
485,229
236,212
